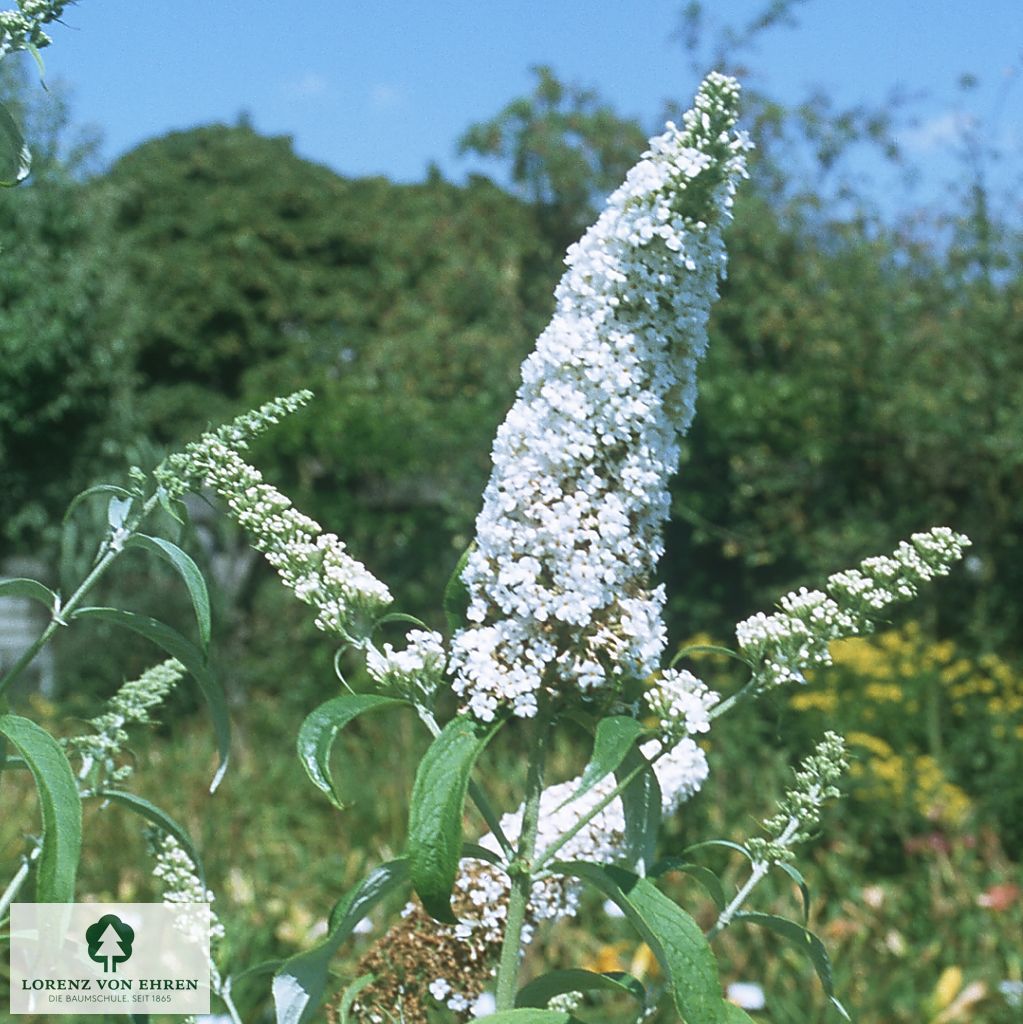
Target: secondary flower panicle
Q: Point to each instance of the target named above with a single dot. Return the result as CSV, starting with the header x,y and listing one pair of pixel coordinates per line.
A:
x,y
782,646
560,580
23,29
313,564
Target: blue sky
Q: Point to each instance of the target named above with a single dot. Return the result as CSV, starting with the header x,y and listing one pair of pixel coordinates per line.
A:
x,y
387,86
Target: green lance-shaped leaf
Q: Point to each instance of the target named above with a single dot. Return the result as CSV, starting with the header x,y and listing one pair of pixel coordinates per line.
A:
x,y
675,938
189,573
298,986
161,818
803,940
614,739
350,995
319,730
435,815
60,806
191,657
641,806
710,881
541,990
31,589
456,593
90,491
15,159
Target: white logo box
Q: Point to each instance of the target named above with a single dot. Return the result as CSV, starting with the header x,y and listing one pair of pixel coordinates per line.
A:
x,y
110,958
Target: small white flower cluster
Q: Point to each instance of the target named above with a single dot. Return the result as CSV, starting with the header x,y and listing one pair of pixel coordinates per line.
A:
x,y
131,705
682,703
680,773
415,672
23,28
315,565
783,645
570,532
180,878
799,811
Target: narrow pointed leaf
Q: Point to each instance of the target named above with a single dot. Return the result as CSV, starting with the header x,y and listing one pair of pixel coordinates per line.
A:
x,y
15,159
59,805
528,1015
189,573
318,732
456,593
191,657
675,938
539,991
710,882
161,818
351,994
90,491
31,589
435,815
614,739
803,940
804,890
299,985
641,805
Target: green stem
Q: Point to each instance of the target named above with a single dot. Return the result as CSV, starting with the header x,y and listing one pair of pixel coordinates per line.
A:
x,y
623,784
11,892
521,870
59,619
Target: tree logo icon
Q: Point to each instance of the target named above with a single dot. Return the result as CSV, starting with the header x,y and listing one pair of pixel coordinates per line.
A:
x,y
110,942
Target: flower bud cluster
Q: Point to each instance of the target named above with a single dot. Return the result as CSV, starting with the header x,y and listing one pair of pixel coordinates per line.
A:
x,y
23,28
560,579
179,877
415,672
131,705
783,645
799,811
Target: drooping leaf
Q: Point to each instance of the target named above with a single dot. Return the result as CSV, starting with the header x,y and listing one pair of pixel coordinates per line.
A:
x,y
456,593
298,986
15,159
727,843
189,573
59,805
641,805
151,812
31,589
529,1015
675,938
435,814
710,881
803,940
117,511
318,732
614,739
90,491
191,657
540,990
684,652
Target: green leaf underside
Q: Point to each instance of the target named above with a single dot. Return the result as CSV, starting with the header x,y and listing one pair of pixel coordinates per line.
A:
x,y
299,985
31,589
191,657
161,818
707,879
456,594
803,940
435,815
59,804
614,739
320,728
189,573
641,806
15,159
675,938
538,992
528,1015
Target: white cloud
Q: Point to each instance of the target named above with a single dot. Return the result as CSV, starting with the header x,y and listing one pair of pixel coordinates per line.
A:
x,y
938,132
385,96
310,85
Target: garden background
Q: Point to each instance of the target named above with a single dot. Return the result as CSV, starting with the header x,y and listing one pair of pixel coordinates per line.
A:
x,y
862,382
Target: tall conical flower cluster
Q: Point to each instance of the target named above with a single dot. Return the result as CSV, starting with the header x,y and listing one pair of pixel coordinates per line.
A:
x,y
560,579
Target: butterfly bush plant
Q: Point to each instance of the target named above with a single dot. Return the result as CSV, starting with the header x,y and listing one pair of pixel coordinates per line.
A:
x,y
554,621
